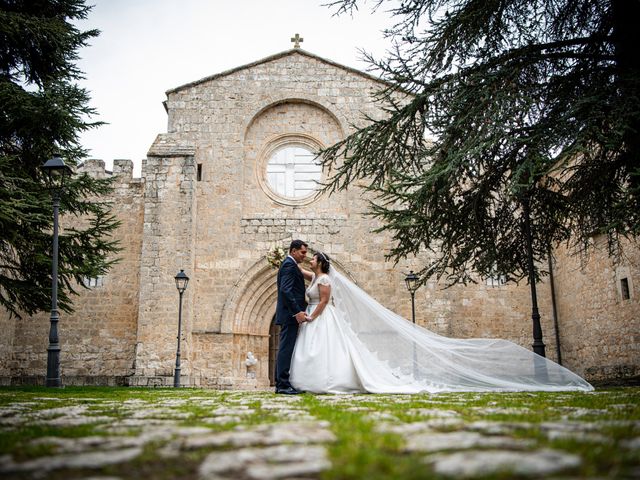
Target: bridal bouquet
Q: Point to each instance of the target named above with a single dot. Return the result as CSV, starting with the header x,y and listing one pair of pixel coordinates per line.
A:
x,y
276,256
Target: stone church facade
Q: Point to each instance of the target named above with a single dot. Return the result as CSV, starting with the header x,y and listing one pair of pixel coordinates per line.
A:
x,y
227,182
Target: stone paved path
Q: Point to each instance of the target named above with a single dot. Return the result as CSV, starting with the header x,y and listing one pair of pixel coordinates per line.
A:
x,y
199,434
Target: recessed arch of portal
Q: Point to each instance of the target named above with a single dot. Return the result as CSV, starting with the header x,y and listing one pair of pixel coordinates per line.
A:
x,y
251,304
282,104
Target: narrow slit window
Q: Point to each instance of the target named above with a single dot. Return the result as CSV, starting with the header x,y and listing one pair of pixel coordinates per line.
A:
x,y
199,172
624,289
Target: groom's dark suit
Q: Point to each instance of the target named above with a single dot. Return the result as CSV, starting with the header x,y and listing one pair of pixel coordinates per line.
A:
x,y
291,300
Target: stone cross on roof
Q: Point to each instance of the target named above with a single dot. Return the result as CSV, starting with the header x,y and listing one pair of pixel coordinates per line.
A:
x,y
297,39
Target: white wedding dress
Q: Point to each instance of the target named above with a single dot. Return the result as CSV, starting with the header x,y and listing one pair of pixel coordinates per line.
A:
x,y
356,345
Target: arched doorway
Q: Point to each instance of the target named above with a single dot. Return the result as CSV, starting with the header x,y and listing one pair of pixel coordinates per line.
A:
x,y
248,314
274,340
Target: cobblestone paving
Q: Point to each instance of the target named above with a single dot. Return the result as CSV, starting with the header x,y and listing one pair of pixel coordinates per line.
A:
x,y
198,434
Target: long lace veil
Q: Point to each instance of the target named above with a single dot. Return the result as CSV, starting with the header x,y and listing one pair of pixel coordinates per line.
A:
x,y
436,363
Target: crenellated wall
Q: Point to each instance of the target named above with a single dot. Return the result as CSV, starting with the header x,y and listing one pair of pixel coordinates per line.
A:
x,y
97,340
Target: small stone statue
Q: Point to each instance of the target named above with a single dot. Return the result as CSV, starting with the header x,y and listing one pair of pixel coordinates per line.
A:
x,y
251,362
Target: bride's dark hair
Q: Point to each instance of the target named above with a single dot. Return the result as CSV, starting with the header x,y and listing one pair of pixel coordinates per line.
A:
x,y
323,260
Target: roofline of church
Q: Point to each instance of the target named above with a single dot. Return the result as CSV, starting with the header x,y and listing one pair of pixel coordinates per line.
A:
x,y
275,57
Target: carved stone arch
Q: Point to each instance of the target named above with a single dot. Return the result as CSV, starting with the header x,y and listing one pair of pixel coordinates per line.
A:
x,y
251,304
309,101
253,296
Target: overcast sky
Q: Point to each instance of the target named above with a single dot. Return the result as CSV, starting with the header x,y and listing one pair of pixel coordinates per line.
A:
x,y
150,46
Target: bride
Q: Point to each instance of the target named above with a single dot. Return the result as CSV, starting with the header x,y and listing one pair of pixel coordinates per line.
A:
x,y
352,344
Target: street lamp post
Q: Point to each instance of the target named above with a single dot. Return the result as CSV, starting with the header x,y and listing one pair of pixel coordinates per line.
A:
x,y
181,284
412,283
411,280
57,172
538,344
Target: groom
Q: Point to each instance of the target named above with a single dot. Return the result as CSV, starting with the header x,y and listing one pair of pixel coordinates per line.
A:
x,y
290,312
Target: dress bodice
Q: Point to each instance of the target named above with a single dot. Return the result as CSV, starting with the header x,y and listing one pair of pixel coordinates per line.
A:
x,y
313,292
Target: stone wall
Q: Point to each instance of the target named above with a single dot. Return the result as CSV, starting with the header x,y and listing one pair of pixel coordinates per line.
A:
x,y
7,327
104,325
97,340
485,311
599,330
167,247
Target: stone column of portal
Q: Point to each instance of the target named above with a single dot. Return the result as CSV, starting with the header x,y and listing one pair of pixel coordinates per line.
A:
x,y
167,247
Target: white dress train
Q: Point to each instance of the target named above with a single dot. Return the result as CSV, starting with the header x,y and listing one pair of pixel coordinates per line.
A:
x,y
358,346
